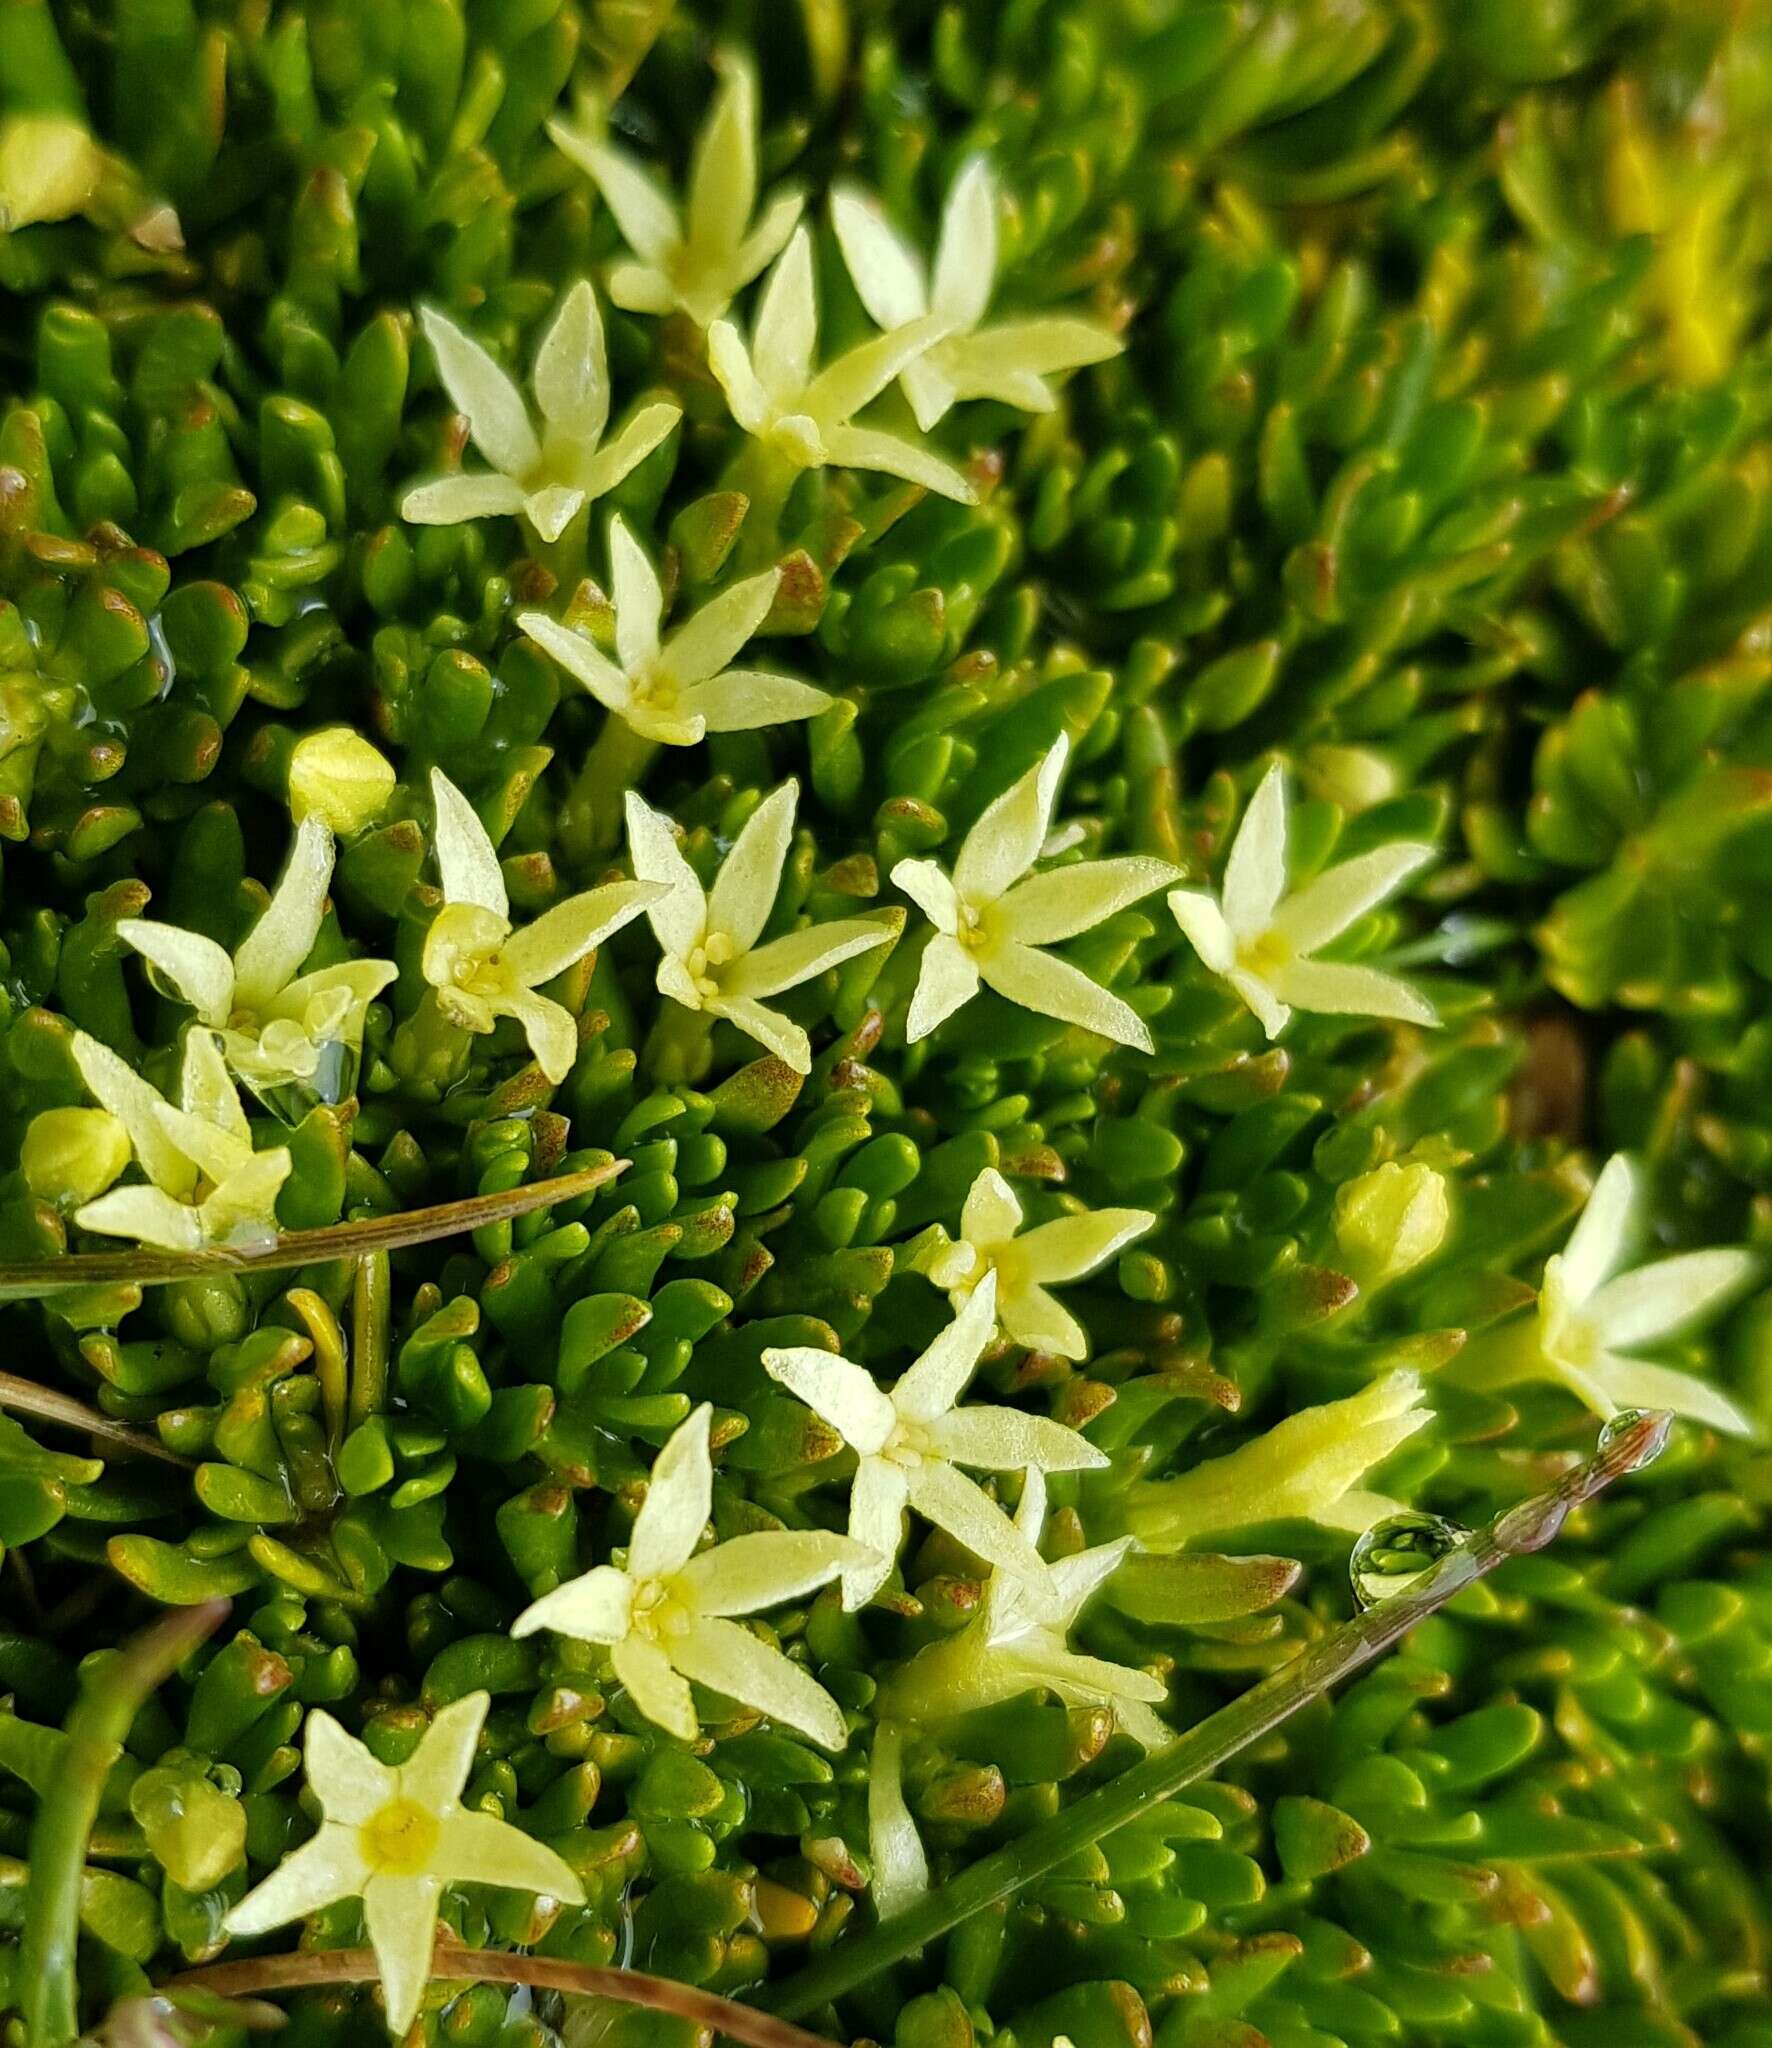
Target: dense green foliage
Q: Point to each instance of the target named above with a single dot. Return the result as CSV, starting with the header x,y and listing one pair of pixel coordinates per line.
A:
x,y
1438,464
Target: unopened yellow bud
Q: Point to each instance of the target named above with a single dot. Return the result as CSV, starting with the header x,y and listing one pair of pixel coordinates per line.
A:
x,y
71,1156
338,777
49,169
1389,1220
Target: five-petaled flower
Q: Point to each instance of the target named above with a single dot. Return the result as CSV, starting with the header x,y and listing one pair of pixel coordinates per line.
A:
x,y
394,1836
550,477
1067,1248
808,416
676,692
910,1442
278,1026
994,915
701,258
1306,1467
711,959
1263,946
1595,1309
481,968
207,1185
664,1615
1009,360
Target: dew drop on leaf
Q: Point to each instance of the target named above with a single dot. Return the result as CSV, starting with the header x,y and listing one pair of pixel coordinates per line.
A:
x,y
1396,1552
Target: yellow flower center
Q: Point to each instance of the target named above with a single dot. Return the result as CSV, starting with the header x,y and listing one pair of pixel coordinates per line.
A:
x,y
399,1839
973,927
717,950
655,690
1264,957
657,1612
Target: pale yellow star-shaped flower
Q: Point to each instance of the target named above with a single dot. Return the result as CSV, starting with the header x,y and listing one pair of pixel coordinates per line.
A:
x,y
1262,945
911,1440
278,1027
1008,360
708,939
1067,1248
994,915
677,691
481,967
807,415
207,1185
394,1836
551,476
1306,1467
699,259
665,1614
1596,1310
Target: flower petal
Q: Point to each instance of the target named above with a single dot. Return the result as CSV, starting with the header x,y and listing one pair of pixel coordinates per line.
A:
x,y
1001,359
550,1028
931,891
436,1773
318,1874
453,500
493,406
858,377
478,1848
275,948
1325,908
654,1687
767,239
786,962
765,1569
745,699
349,1782
1272,1014
1039,1320
892,455
901,1870
947,979
1006,1440
966,257
641,206
730,1660
1635,1383
877,1497
771,1030
839,1393
1203,926
565,934
149,1215
723,168
992,1214
703,645
207,1093
195,967
400,1918
1081,1576
744,890
245,1203
934,1382
1054,988
886,271
786,328
1603,1233
679,1499
1005,842
961,1506
581,658
552,510
1071,1246
639,599
642,288
1255,873
466,859
1065,901
679,919
595,1607
1668,1296
628,447
572,368
736,375
1337,989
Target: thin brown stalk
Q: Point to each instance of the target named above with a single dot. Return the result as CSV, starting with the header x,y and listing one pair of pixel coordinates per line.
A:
x,y
742,2023
49,1406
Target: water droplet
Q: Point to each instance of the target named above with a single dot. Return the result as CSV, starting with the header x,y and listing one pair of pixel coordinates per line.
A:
x,y
1654,1441
1532,1524
1396,1552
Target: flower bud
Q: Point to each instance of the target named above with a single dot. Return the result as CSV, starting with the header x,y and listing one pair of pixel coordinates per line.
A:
x,y
1389,1220
71,1156
337,776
